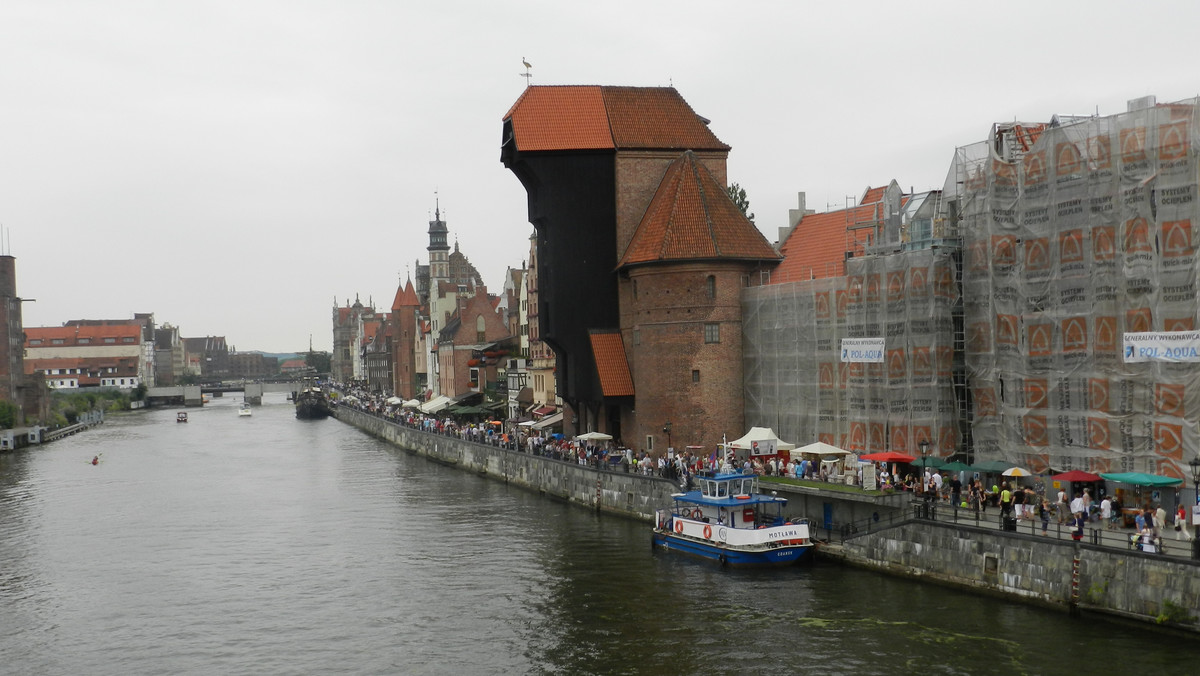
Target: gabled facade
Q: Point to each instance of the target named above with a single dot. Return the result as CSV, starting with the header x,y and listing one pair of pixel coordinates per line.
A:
x,y
474,329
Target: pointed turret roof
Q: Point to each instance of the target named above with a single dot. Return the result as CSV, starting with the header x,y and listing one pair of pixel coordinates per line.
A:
x,y
405,297
691,217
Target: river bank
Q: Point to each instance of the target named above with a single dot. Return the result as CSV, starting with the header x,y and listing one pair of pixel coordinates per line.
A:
x,y
1063,575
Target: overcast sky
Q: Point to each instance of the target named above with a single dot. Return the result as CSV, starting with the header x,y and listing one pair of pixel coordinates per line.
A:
x,y
233,167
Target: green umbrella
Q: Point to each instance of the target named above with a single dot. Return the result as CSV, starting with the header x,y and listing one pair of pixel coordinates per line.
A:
x,y
929,461
1140,479
957,466
993,466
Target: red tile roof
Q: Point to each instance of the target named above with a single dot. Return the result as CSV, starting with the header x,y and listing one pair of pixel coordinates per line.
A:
x,y
591,117
405,297
70,334
611,365
691,217
818,244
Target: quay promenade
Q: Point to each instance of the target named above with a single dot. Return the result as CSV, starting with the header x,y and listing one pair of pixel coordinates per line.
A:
x,y
950,547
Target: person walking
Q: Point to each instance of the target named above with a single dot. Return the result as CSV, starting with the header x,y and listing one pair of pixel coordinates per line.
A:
x,y
1106,512
1182,532
1045,513
1077,524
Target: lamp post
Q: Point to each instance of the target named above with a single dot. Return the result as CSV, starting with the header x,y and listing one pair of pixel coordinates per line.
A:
x,y
1194,463
930,500
667,431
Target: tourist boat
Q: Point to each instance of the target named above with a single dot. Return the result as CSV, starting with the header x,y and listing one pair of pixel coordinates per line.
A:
x,y
312,404
727,520
181,417
244,411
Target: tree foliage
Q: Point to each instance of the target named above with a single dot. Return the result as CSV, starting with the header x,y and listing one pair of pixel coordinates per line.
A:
x,y
8,415
319,361
738,194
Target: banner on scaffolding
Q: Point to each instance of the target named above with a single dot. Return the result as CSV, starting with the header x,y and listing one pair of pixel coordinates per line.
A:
x,y
1172,346
862,350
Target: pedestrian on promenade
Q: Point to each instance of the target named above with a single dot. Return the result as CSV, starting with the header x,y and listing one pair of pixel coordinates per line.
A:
x,y
1077,526
1106,512
1018,501
1160,520
1182,532
1045,510
1061,506
1006,499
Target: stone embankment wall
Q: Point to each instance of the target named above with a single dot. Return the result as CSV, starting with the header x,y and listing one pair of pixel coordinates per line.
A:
x,y
630,495
1130,584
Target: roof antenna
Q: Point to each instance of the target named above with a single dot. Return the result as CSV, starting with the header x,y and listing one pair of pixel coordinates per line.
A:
x,y
527,75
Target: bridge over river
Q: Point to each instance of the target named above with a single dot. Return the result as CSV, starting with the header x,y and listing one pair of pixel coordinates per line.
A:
x,y
193,395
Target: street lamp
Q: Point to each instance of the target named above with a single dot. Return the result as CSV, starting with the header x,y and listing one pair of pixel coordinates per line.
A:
x,y
667,431
1194,463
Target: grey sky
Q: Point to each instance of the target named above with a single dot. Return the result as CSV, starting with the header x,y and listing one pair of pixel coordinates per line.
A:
x,y
235,166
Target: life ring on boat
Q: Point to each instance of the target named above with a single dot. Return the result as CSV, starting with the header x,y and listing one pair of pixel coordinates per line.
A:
x,y
707,532
697,514
678,526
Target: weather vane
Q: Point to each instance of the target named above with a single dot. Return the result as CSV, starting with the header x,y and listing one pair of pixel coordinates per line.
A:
x,y
527,75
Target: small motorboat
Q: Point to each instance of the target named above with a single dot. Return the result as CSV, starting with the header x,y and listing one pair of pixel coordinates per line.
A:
x,y
181,417
244,411
727,520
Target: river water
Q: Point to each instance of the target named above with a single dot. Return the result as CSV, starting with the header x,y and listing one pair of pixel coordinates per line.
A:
x,y
269,545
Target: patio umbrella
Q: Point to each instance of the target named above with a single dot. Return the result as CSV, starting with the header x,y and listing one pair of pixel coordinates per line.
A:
x,y
956,466
887,456
930,461
1076,475
594,436
1140,479
994,466
1016,471
394,401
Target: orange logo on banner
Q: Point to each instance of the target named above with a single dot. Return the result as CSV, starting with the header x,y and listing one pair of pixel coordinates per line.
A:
x,y
1137,236
1179,324
947,441
1006,330
897,366
843,374
1100,152
854,287
1100,465
1037,253
1168,399
979,338
922,364
1098,394
1139,320
1037,393
1104,243
1098,436
921,433
858,436
1164,467
1106,334
821,300
1074,334
825,376
1038,463
895,286
1004,249
985,402
825,438
1070,246
1040,339
943,282
1172,141
1036,433
1005,172
916,282
872,288
1034,165
856,369
842,298
1177,239
877,436
976,180
1066,159
900,438
1133,144
978,256
945,361
1168,440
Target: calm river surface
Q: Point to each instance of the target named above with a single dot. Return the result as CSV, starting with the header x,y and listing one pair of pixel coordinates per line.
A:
x,y
268,545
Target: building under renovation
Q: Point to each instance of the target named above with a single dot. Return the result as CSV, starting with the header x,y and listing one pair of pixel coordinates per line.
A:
x,y
1040,309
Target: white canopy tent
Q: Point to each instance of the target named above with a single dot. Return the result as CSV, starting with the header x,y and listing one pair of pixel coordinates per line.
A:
x,y
760,441
411,403
819,448
436,404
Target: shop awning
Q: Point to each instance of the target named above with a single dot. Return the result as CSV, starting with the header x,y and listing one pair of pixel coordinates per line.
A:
x,y
436,404
542,424
545,410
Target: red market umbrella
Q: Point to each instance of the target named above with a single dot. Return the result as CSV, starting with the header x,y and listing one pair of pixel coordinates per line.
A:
x,y
887,456
1076,475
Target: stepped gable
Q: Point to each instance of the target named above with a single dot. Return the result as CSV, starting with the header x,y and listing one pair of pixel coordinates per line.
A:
x,y
691,217
592,117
